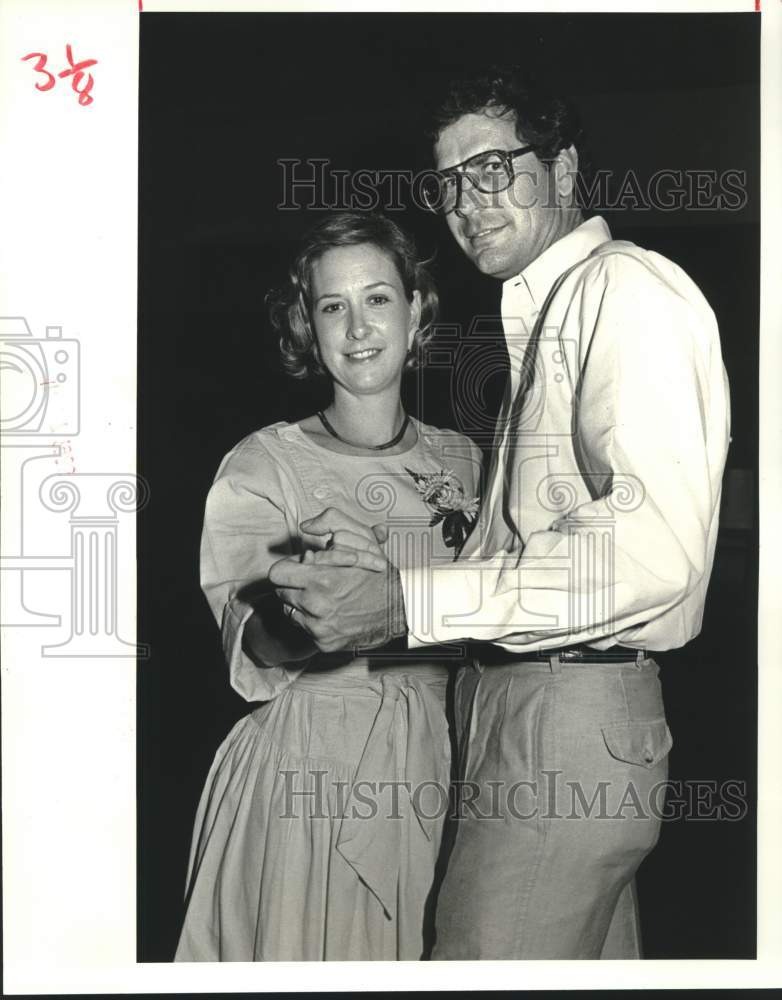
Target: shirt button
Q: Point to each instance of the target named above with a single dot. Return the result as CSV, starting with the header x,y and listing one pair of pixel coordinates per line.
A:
x,y
321,493
648,756
289,436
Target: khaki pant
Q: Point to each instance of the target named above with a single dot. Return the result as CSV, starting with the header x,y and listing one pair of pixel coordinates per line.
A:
x,y
563,768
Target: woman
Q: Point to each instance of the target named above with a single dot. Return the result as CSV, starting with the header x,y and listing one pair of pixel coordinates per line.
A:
x,y
318,829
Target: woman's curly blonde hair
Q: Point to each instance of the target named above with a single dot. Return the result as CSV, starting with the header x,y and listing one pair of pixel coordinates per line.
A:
x,y
290,307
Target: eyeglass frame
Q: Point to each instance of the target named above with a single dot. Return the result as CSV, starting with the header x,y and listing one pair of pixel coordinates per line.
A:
x,y
507,155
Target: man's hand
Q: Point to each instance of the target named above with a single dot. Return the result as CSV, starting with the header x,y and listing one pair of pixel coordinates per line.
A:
x,y
343,596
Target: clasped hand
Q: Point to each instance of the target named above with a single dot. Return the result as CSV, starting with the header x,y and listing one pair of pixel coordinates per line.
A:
x,y
345,594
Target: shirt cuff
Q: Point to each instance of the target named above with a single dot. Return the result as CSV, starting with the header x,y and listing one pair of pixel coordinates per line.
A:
x,y
436,599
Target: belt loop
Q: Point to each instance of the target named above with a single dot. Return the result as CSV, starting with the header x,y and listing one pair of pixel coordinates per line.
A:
x,y
555,663
640,656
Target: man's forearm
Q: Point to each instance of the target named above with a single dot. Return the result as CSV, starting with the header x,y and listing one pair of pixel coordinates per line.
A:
x,y
544,597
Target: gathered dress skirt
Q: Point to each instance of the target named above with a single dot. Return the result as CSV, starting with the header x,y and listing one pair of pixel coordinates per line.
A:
x,y
319,826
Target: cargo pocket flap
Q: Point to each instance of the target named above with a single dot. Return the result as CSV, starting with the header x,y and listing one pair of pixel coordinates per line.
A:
x,y
638,742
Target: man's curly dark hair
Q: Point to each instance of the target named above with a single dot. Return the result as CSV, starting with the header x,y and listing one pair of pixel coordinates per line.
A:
x,y
543,120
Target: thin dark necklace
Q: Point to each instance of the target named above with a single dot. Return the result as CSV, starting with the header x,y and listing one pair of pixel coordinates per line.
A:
x,y
371,447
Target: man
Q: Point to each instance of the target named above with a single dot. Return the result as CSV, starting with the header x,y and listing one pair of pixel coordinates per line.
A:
x,y
594,546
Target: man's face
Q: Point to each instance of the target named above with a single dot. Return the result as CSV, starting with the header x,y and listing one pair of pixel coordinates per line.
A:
x,y
501,232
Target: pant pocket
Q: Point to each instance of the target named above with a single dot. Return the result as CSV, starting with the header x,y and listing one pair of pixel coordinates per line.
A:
x,y
639,751
645,742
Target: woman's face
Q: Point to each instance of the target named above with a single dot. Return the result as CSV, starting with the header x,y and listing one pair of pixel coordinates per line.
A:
x,y
362,319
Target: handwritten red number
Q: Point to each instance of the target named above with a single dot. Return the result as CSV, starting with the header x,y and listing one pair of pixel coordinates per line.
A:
x,y
39,68
77,71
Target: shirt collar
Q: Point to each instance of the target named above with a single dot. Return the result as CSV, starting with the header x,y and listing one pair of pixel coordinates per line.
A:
x,y
540,275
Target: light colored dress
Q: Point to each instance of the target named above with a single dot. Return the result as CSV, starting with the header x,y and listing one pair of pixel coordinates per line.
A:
x,y
320,822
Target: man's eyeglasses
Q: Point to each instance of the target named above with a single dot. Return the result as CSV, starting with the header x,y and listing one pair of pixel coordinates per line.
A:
x,y
489,172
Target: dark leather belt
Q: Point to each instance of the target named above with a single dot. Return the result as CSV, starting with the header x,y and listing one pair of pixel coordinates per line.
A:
x,y
491,655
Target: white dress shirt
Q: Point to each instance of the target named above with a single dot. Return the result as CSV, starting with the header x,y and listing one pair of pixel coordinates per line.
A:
x,y
600,516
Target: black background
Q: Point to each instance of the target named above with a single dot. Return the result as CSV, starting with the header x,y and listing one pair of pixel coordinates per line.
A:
x,y
222,98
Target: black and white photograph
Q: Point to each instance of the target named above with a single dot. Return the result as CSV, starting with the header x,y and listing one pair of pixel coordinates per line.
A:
x,y
390,460
448,346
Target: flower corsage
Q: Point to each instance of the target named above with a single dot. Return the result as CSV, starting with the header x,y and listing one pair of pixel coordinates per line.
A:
x,y
443,494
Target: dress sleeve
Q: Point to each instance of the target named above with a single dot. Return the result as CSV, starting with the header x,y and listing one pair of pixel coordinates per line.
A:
x,y
460,453
249,523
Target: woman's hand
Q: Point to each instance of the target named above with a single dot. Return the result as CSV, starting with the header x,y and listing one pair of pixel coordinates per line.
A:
x,y
344,541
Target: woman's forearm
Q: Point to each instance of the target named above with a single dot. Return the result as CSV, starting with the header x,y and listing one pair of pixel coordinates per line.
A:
x,y
271,639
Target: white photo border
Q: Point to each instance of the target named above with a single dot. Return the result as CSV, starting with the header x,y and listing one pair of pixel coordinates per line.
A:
x,y
69,198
